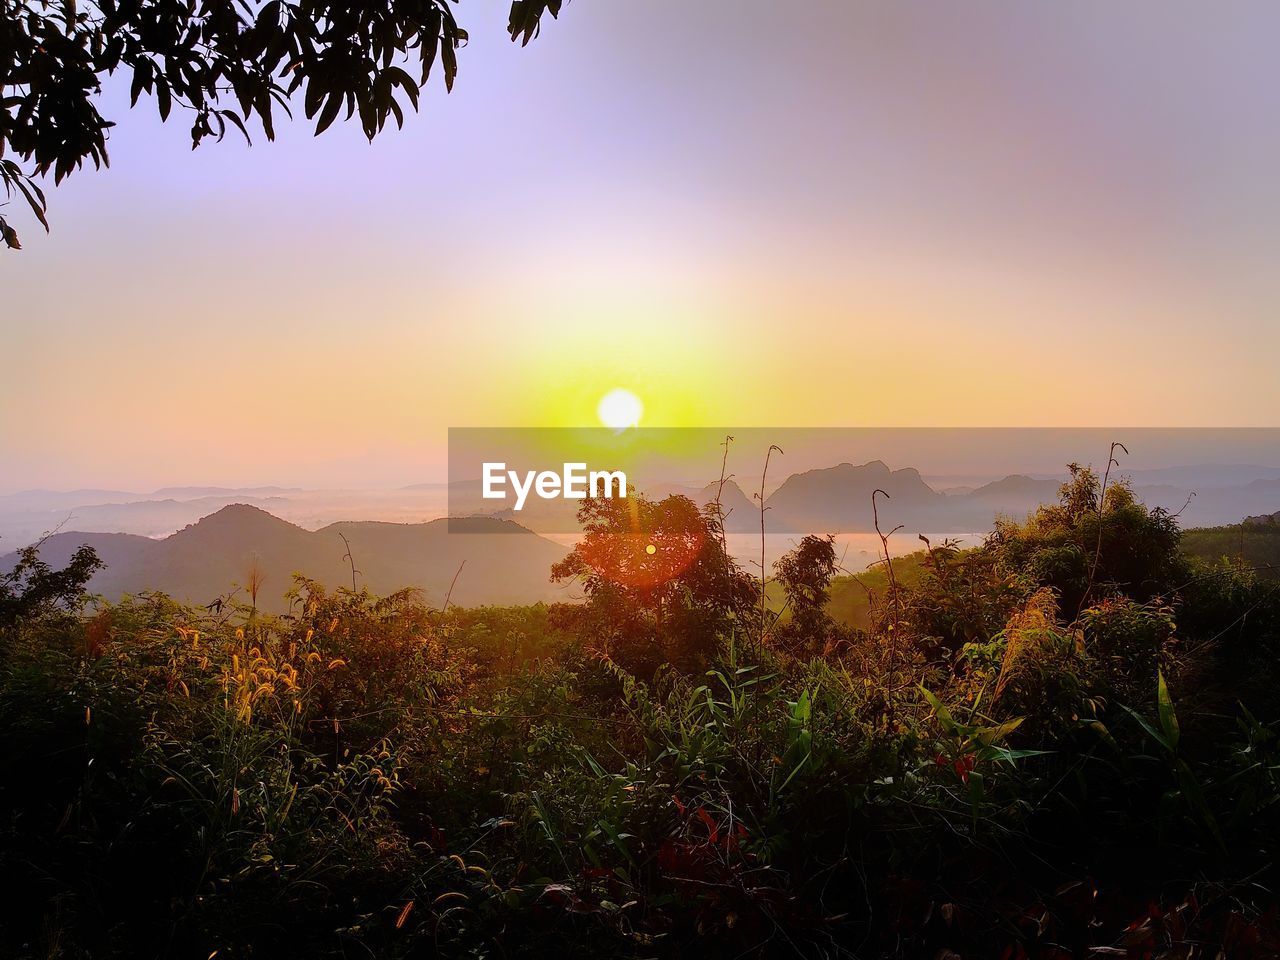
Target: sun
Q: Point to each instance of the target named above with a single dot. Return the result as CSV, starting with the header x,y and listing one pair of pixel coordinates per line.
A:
x,y
619,409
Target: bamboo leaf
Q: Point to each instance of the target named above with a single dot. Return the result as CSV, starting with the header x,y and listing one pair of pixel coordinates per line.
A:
x,y
1164,708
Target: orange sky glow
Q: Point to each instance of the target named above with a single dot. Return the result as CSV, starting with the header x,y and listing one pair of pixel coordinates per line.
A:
x,y
828,215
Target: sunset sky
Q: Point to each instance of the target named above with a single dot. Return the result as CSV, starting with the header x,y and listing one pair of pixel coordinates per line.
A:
x,y
746,212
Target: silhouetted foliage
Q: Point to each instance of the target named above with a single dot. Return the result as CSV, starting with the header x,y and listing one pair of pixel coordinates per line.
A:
x,y
1085,548
805,575
224,62
33,588
962,597
1256,544
984,771
1232,609
660,586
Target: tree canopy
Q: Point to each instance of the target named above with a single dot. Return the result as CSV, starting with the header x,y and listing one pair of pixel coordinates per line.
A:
x,y
227,63
658,579
33,588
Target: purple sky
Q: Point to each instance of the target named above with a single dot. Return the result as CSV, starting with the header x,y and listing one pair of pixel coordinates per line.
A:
x,y
745,212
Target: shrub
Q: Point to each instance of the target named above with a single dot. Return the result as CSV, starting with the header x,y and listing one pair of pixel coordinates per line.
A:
x,y
1088,545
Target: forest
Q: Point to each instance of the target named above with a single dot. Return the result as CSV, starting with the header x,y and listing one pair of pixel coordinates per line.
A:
x,y
1061,743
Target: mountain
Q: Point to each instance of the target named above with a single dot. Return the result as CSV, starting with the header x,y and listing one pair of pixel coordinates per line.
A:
x,y
504,562
838,499
1264,487
25,500
1200,476
834,499
212,557
741,512
1015,495
191,493
148,518
560,516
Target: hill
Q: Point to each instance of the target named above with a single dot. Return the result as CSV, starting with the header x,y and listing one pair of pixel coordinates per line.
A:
x,y
1256,542
1015,495
839,498
741,512
850,601
214,556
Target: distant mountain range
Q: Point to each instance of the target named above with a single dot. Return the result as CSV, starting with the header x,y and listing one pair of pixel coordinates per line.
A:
x,y
29,514
838,500
56,499
195,542
207,559
834,498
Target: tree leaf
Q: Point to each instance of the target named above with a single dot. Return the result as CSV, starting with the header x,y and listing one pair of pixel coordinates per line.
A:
x,y
1164,708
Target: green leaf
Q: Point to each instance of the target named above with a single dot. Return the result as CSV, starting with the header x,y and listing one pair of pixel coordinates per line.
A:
x,y
800,712
591,762
989,735
1009,756
1151,731
798,767
943,714
1100,728
1168,718
976,789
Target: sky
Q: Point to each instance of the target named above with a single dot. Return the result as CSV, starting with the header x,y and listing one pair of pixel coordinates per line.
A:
x,y
744,212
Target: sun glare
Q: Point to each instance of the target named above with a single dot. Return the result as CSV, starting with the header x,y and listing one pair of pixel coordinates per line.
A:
x,y
619,409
